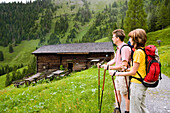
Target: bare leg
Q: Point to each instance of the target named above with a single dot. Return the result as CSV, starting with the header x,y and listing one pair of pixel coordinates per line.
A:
x,y
119,97
127,101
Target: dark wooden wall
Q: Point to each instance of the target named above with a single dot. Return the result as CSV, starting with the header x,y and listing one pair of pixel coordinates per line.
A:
x,y
80,61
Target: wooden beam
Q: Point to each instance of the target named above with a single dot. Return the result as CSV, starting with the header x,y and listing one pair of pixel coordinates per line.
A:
x,y
74,53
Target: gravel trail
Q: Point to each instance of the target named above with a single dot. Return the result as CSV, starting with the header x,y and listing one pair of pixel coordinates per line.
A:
x,y
157,99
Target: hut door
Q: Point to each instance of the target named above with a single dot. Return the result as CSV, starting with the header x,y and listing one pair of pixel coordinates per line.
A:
x,y
70,66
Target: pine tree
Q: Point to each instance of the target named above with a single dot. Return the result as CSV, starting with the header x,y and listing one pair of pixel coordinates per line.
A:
x,y
24,72
14,76
168,7
33,64
1,56
152,19
18,75
11,49
162,16
7,82
114,5
121,26
135,16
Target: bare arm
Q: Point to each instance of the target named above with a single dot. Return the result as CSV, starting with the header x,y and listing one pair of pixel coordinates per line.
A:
x,y
132,72
111,62
118,67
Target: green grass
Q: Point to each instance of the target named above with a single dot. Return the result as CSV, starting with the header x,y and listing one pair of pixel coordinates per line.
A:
x,y
3,78
74,94
2,81
164,53
99,5
21,54
106,39
84,29
162,35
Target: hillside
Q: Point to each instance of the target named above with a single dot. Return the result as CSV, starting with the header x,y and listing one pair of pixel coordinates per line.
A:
x,y
65,21
30,26
162,35
23,51
69,21
74,94
21,54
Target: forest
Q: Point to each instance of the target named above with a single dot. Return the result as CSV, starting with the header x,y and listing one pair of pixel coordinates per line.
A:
x,y
50,22
33,20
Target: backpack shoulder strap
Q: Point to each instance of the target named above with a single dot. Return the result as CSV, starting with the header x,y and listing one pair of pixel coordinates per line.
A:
x,y
139,79
146,58
121,50
123,46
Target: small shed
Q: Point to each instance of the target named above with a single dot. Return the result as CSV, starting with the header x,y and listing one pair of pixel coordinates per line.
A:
x,y
73,57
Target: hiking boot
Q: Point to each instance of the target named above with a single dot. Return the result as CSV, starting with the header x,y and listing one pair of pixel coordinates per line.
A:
x,y
126,111
116,110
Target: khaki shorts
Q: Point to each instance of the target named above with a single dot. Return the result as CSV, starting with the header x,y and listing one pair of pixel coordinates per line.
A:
x,y
121,84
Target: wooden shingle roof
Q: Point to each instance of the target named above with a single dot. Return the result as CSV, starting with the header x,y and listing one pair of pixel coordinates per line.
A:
x,y
77,48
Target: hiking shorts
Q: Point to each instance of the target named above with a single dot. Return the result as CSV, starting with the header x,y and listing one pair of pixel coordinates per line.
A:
x,y
121,84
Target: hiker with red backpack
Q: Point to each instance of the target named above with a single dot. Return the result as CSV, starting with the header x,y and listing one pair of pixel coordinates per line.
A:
x,y
145,70
119,61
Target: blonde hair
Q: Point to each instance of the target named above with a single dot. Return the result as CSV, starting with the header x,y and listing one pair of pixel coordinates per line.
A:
x,y
138,37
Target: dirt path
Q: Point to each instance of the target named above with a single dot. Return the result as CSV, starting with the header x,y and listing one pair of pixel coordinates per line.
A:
x,y
157,99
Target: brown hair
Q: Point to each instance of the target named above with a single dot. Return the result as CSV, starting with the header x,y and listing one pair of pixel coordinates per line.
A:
x,y
119,33
138,37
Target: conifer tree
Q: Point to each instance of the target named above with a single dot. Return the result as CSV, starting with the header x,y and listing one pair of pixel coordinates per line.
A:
x,y
121,26
168,7
1,56
11,49
7,82
162,16
135,16
14,76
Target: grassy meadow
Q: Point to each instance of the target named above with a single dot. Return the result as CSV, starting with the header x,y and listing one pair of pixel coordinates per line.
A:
x,y
22,53
164,53
3,78
162,35
74,94
78,92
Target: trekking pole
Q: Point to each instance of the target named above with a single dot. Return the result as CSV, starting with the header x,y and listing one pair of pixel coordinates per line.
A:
x,y
127,86
99,88
116,92
102,90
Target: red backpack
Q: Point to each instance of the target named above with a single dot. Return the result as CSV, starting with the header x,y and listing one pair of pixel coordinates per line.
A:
x,y
153,67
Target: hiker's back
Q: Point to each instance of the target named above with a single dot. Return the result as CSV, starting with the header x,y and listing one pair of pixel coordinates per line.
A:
x,y
152,66
139,57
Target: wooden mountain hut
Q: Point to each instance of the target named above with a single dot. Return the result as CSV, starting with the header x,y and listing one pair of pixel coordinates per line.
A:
x,y
73,57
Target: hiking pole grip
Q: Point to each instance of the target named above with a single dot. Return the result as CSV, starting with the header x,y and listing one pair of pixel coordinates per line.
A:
x,y
116,91
102,90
